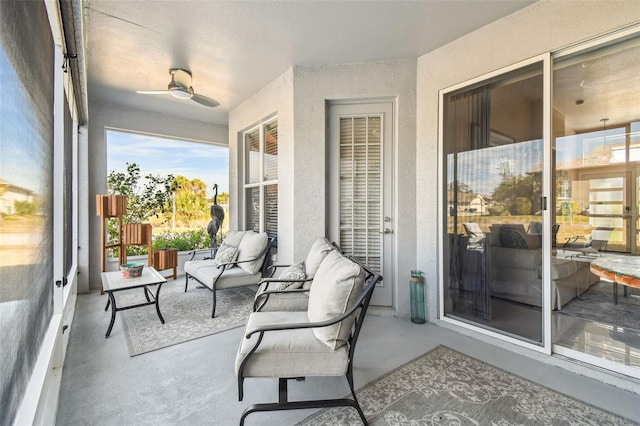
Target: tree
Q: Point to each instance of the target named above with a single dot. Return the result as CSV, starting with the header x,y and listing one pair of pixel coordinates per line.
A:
x,y
191,200
518,194
25,208
153,198
462,187
223,198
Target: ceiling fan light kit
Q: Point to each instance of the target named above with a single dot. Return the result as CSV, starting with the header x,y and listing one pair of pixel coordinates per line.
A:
x,y
180,87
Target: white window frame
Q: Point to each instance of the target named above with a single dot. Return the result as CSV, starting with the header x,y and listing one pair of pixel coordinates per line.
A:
x,y
262,182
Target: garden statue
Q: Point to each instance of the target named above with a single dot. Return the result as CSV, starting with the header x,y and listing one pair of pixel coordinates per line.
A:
x,y
217,216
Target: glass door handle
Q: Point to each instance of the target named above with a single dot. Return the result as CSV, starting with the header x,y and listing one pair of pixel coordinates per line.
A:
x,y
386,231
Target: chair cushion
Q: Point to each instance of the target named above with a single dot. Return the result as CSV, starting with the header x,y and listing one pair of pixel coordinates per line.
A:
x,y
289,353
226,253
318,251
234,238
336,285
293,272
251,245
288,301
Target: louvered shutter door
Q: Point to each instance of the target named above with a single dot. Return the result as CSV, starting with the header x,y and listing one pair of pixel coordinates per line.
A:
x,y
361,188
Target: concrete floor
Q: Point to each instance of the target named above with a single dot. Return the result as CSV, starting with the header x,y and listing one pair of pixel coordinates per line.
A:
x,y
194,383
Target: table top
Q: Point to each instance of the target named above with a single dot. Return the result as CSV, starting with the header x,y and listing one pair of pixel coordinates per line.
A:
x,y
621,269
113,281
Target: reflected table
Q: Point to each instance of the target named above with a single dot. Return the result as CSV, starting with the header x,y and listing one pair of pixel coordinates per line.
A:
x,y
623,270
113,282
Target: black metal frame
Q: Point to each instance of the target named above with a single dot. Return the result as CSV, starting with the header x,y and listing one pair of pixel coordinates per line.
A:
x,y
263,296
359,308
148,294
264,254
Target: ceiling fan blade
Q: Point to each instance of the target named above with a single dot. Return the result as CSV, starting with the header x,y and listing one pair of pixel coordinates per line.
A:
x,y
203,100
152,92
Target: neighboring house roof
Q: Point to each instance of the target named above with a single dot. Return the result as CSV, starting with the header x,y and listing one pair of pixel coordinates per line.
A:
x,y
15,188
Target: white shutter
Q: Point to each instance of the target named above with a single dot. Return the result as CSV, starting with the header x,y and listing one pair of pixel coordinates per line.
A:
x,y
361,188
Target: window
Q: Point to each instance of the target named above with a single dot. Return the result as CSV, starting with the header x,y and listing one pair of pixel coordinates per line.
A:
x,y
26,193
261,178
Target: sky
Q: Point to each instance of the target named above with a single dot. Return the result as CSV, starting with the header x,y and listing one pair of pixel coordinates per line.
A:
x,y
24,152
156,155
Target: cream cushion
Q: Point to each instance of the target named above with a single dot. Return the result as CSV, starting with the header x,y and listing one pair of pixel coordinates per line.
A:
x,y
318,251
233,238
226,254
293,272
207,272
336,285
251,245
288,353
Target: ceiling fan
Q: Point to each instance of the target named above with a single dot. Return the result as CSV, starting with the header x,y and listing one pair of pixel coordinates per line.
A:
x,y
180,87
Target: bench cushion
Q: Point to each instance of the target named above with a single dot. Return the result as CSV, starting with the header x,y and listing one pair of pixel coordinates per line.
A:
x,y
206,272
335,287
289,353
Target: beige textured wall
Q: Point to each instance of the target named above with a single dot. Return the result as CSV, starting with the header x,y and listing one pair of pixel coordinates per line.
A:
x,y
274,99
299,97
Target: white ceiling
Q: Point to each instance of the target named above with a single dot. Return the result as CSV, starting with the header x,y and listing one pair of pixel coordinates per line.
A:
x,y
234,48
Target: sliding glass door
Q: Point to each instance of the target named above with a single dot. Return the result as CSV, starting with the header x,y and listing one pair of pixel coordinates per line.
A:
x,y
597,176
493,230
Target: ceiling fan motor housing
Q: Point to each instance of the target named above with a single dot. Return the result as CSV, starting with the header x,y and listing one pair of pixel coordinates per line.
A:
x,y
180,85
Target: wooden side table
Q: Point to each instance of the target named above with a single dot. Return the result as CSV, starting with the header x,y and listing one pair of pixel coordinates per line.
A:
x,y
166,259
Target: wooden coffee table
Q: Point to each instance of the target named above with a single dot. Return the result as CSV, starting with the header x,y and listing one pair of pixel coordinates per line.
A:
x,y
113,282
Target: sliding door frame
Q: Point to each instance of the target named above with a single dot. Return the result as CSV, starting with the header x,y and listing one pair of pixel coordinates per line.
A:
x,y
545,346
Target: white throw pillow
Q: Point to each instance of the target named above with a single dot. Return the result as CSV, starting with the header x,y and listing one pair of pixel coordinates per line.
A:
x,y
318,251
293,272
226,253
234,238
336,285
251,245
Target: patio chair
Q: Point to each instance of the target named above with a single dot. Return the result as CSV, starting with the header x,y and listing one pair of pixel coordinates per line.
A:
x,y
318,342
475,234
289,291
589,247
241,260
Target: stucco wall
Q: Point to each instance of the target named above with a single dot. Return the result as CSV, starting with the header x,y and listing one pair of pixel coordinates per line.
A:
x,y
274,99
545,26
313,87
299,97
117,117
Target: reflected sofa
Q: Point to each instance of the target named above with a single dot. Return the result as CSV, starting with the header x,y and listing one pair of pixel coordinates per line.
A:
x,y
516,268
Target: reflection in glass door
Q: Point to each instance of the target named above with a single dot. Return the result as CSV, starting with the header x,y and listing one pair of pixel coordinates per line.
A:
x,y
493,230
609,209
596,168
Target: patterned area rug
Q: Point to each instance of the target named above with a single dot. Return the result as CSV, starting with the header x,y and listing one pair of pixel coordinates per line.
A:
x,y
596,304
445,387
187,315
